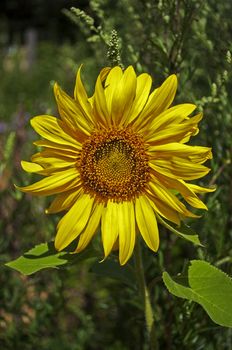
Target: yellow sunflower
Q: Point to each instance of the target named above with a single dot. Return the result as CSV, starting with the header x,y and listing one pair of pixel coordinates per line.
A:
x,y
118,160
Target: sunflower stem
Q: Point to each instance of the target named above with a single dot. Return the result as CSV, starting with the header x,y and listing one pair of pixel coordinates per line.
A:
x,y
144,293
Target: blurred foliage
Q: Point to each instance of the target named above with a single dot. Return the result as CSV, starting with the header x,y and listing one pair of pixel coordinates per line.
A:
x,y
80,307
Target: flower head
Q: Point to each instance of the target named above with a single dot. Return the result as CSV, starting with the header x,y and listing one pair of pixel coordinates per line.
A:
x,y
114,159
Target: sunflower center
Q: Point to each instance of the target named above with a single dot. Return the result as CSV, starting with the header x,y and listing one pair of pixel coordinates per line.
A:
x,y
114,165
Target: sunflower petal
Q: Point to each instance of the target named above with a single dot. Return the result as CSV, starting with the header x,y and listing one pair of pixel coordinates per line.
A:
x,y
109,227
143,88
174,115
81,97
196,154
102,77
53,162
62,147
51,129
160,101
64,201
31,167
179,168
56,183
176,132
184,189
53,166
147,224
73,223
126,228
123,96
199,189
99,104
64,154
111,84
162,209
91,228
71,113
169,199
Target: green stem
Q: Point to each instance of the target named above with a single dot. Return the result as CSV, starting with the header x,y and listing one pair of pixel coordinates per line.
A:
x,y
145,295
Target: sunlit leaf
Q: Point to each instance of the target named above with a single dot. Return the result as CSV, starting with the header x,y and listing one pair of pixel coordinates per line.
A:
x,y
45,256
209,287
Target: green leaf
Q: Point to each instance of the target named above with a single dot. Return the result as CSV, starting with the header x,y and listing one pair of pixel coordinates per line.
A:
x,y
45,256
209,287
183,231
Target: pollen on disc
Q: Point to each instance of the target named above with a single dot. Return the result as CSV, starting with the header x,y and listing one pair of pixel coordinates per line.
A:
x,y
114,165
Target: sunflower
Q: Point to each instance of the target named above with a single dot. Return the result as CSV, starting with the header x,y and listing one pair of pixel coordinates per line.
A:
x,y
118,160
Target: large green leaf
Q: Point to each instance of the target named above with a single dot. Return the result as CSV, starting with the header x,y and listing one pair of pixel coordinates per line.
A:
x,y
183,231
208,286
45,256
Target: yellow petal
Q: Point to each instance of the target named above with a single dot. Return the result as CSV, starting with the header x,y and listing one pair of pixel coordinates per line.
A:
x,y
175,132
64,201
31,167
71,113
147,224
109,226
100,111
111,85
66,155
123,97
162,209
58,182
179,168
199,189
196,154
73,223
34,168
169,199
102,77
63,147
81,97
104,73
173,115
53,161
126,227
160,101
51,129
53,164
184,189
143,87
91,228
